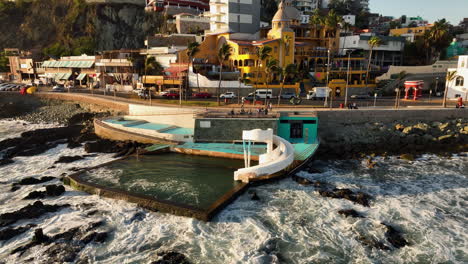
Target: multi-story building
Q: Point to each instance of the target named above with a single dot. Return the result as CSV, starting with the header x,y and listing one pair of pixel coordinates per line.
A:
x,y
411,34
389,53
459,86
464,24
307,5
364,4
173,7
242,16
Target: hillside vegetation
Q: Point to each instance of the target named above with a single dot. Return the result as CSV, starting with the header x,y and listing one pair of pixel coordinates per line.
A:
x,y
73,27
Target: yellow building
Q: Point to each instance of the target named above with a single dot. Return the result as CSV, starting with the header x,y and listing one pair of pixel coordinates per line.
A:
x,y
290,41
411,33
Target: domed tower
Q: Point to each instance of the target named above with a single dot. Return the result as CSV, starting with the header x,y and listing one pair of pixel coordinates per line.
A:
x,y
281,23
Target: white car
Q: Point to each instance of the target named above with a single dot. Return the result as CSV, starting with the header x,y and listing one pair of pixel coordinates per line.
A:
x,y
228,95
287,95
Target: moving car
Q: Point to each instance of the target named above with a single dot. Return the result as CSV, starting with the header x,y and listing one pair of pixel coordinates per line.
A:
x,y
202,95
318,93
360,96
58,88
287,95
228,95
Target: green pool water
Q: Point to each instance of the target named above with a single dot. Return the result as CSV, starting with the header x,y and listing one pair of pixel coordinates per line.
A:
x,y
183,179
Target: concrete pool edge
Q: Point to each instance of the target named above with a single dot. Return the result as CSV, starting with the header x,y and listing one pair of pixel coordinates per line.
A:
x,y
151,203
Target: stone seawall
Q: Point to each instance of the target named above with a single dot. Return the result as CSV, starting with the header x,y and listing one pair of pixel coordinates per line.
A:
x,y
345,134
104,104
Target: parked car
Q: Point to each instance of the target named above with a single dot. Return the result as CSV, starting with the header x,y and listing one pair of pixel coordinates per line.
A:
x,y
228,95
360,96
288,95
5,86
58,88
173,95
202,95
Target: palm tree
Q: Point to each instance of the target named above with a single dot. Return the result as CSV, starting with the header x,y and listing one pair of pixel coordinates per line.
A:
x,y
346,27
439,36
270,66
373,42
290,69
192,50
262,54
451,75
316,21
224,53
332,23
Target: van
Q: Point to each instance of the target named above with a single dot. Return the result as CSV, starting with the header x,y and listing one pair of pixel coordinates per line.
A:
x,y
319,93
264,93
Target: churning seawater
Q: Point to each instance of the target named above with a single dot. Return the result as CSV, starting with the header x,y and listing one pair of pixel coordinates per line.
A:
x,y
427,199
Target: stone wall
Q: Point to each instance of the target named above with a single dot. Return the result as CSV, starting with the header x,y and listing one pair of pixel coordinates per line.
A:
x,y
351,133
104,103
229,129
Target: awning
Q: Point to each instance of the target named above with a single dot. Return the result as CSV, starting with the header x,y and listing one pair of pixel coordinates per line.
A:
x,y
68,64
65,76
81,76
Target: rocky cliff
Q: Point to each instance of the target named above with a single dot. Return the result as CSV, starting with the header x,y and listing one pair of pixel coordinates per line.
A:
x,y
74,26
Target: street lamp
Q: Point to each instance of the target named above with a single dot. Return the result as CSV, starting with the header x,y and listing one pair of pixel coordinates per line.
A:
x,y
437,85
349,51
328,73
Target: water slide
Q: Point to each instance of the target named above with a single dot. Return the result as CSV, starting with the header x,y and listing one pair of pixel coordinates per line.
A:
x,y
273,161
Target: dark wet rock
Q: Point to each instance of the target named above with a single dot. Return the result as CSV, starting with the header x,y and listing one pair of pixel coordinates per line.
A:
x,y
372,243
408,157
32,181
92,212
39,236
350,212
31,211
51,190
35,195
55,190
79,118
67,245
255,197
73,144
313,170
8,233
37,141
6,161
121,148
171,257
358,197
301,180
137,217
394,237
14,188
68,159
75,169
52,167
84,260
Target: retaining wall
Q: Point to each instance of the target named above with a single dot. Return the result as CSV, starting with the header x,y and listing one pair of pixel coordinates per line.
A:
x,y
89,99
229,129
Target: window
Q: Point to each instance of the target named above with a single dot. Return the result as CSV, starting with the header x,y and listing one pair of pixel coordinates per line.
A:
x,y
459,81
296,130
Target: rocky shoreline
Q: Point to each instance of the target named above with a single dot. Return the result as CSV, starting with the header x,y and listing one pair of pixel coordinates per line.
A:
x,y
404,138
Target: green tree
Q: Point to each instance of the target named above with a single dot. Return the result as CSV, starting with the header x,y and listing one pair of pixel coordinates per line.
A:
x,y
153,67
285,72
270,67
451,75
373,42
439,38
262,54
192,50
224,53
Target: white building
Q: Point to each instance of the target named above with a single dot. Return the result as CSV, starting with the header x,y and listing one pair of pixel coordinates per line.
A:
x,y
350,19
459,86
389,53
242,16
306,5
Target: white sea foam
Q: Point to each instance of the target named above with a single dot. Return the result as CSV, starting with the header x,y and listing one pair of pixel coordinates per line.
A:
x,y
427,199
